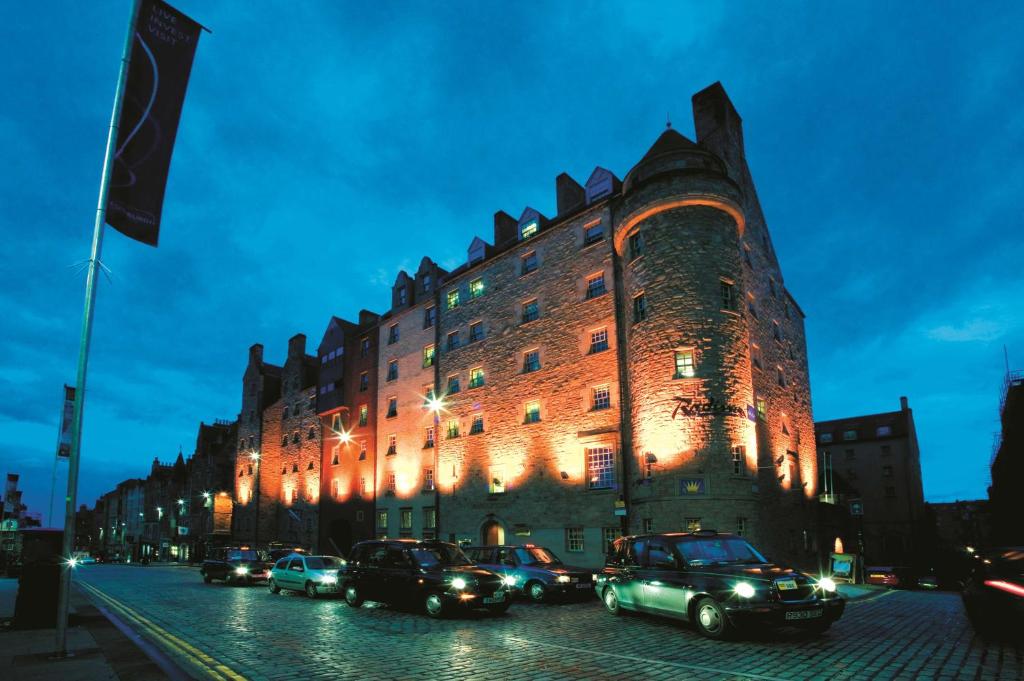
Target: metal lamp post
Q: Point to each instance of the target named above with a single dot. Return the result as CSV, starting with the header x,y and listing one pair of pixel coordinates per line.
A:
x,y
255,457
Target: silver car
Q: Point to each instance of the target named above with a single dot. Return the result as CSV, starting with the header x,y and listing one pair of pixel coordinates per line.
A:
x,y
315,575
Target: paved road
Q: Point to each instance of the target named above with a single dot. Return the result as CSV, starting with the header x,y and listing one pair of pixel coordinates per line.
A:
x,y
232,633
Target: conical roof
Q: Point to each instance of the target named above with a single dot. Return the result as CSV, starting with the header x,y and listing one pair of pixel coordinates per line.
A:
x,y
667,142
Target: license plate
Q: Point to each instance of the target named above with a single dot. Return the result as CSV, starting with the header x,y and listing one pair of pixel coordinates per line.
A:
x,y
583,586
498,597
803,614
786,584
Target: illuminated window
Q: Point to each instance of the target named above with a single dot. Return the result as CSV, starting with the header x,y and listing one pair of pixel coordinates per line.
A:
x,y
639,308
364,412
636,245
592,234
428,356
392,485
692,524
364,382
849,434
392,407
728,295
362,450
528,263
476,377
574,539
335,488
755,355
496,484
405,519
600,467
392,444
601,397
478,425
392,370
403,295
476,288
598,340
532,412
531,361
382,520
428,442
476,332
527,230
428,479
453,340
531,311
453,299
882,431
762,408
595,286
429,317
739,459
741,526
392,334
453,428
684,364
429,520
453,384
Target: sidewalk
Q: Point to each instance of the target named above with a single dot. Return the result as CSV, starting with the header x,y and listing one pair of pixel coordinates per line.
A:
x,y
860,592
100,652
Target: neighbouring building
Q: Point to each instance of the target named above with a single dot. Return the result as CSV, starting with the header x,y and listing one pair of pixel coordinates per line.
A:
x,y
1007,468
960,524
163,511
347,406
210,483
877,455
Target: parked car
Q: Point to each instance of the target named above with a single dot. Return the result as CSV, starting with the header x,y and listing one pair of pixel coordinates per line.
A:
x,y
315,575
434,575
235,565
717,582
882,576
536,571
277,554
994,594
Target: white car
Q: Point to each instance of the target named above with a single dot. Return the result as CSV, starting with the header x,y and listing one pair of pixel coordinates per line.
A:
x,y
315,575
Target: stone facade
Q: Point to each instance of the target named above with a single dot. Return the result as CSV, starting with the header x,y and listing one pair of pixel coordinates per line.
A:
x,y
261,386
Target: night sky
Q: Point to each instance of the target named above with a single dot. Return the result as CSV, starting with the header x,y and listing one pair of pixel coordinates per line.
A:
x,y
324,148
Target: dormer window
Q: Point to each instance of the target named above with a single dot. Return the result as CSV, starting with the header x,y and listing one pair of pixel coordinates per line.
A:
x,y
426,283
403,296
477,251
528,229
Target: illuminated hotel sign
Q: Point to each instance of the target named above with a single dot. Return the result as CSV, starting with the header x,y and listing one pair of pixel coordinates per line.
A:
x,y
697,408
689,487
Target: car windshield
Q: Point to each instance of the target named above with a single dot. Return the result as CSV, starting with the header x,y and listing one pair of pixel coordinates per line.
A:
x,y
323,563
441,554
244,554
535,555
718,551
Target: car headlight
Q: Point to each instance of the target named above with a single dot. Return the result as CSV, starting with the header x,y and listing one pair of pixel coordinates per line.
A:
x,y
241,570
564,579
509,580
459,583
328,579
827,584
744,590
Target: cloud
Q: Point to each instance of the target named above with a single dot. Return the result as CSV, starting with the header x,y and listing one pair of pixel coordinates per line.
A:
x,y
972,331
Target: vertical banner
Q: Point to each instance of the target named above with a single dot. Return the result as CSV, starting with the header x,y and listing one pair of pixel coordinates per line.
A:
x,y
67,417
163,45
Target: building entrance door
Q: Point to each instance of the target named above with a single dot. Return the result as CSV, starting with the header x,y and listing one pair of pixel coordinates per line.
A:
x,y
493,533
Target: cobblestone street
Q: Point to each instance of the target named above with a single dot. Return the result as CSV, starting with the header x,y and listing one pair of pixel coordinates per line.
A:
x,y
217,631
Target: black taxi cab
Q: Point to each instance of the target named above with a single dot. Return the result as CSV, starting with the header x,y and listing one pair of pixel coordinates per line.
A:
x,y
717,582
235,565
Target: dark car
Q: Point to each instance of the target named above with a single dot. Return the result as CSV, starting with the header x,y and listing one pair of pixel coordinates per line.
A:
x,y
433,575
276,554
994,593
235,565
536,571
718,582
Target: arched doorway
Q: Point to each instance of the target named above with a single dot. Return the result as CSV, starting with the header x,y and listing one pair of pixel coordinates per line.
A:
x,y
492,533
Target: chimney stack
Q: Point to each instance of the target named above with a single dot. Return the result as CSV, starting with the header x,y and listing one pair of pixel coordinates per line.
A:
x,y
297,345
903,404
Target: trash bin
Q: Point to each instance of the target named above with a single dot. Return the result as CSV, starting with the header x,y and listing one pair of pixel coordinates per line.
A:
x,y
39,583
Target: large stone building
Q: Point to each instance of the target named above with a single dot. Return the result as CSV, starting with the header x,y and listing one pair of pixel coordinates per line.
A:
x,y
1007,502
878,456
261,387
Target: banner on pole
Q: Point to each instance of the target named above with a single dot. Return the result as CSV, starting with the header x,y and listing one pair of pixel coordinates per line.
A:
x,y
163,46
67,417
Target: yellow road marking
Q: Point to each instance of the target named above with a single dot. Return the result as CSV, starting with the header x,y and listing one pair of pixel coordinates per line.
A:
x,y
216,669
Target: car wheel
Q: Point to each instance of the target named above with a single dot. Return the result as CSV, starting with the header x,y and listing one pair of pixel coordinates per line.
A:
x,y
274,588
352,597
434,605
499,608
311,590
536,592
711,619
611,602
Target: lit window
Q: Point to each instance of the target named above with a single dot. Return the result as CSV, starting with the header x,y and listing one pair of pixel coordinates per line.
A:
x,y
684,364
392,444
592,234
429,317
636,245
405,519
531,311
476,332
453,299
762,408
362,450
728,295
364,382
453,428
392,369
739,459
429,521
497,480
849,434
478,424
476,288
428,356
574,539
532,412
531,361
528,263
609,535
595,286
527,230
639,308
382,520
601,397
453,384
392,407
598,340
429,441
392,483
392,334
882,431
741,526
428,479
600,468
364,412
693,524
453,340
476,377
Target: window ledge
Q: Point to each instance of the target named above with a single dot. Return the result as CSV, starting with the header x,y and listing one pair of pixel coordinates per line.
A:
x,y
523,275
733,313
590,244
597,297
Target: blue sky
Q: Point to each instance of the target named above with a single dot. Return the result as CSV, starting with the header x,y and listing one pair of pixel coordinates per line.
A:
x,y
325,146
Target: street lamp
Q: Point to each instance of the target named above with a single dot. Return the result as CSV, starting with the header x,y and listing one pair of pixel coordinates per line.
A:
x,y
255,457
